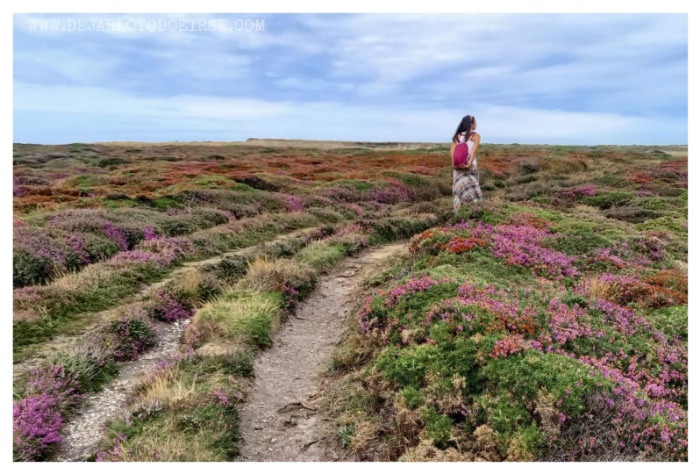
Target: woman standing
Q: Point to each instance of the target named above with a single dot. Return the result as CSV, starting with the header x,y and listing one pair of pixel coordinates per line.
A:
x,y
465,175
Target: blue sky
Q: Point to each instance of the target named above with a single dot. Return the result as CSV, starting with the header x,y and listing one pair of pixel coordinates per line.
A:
x,y
528,78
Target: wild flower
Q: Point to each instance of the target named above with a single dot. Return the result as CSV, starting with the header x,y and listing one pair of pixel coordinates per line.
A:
x,y
412,286
221,397
36,427
577,191
394,193
356,208
352,228
342,194
37,418
507,346
56,382
132,336
293,203
127,258
149,233
116,235
116,451
169,249
290,295
77,244
522,246
170,305
462,244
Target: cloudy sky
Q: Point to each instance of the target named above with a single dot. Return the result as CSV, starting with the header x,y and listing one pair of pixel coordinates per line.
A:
x,y
528,78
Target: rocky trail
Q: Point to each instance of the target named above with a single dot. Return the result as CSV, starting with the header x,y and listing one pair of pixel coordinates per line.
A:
x,y
82,436
280,421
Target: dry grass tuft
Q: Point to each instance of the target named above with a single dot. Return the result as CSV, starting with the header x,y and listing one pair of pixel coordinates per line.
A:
x,y
267,274
594,288
190,280
549,416
426,452
166,387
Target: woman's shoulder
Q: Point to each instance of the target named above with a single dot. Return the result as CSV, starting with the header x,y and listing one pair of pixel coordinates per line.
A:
x,y
475,135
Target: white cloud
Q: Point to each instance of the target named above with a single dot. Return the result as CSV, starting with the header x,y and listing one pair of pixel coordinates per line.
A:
x,y
604,78
206,117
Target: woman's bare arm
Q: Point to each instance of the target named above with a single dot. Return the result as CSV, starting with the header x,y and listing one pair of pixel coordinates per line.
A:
x,y
476,139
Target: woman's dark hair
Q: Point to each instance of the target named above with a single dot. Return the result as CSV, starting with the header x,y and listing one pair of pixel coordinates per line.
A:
x,y
464,126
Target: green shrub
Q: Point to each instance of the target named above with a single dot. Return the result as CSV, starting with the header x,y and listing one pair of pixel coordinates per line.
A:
x,y
321,255
608,200
406,367
232,267
90,365
579,243
30,269
99,247
411,397
132,335
438,427
672,321
524,375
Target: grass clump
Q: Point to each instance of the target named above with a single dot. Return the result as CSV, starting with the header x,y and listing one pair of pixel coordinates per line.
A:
x,y
179,415
250,317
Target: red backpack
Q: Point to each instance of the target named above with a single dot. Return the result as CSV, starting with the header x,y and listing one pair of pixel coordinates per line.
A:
x,y
460,157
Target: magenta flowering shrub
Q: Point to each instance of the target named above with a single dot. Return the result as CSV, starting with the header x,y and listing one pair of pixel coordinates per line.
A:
x,y
410,287
356,208
170,305
652,245
116,452
370,318
352,228
132,335
116,235
80,220
149,233
221,397
37,418
290,295
124,260
293,203
351,237
642,421
616,257
605,258
572,194
522,245
39,255
57,382
36,427
394,193
78,246
169,249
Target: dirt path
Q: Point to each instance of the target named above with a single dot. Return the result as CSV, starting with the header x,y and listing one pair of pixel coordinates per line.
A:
x,y
280,421
82,435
